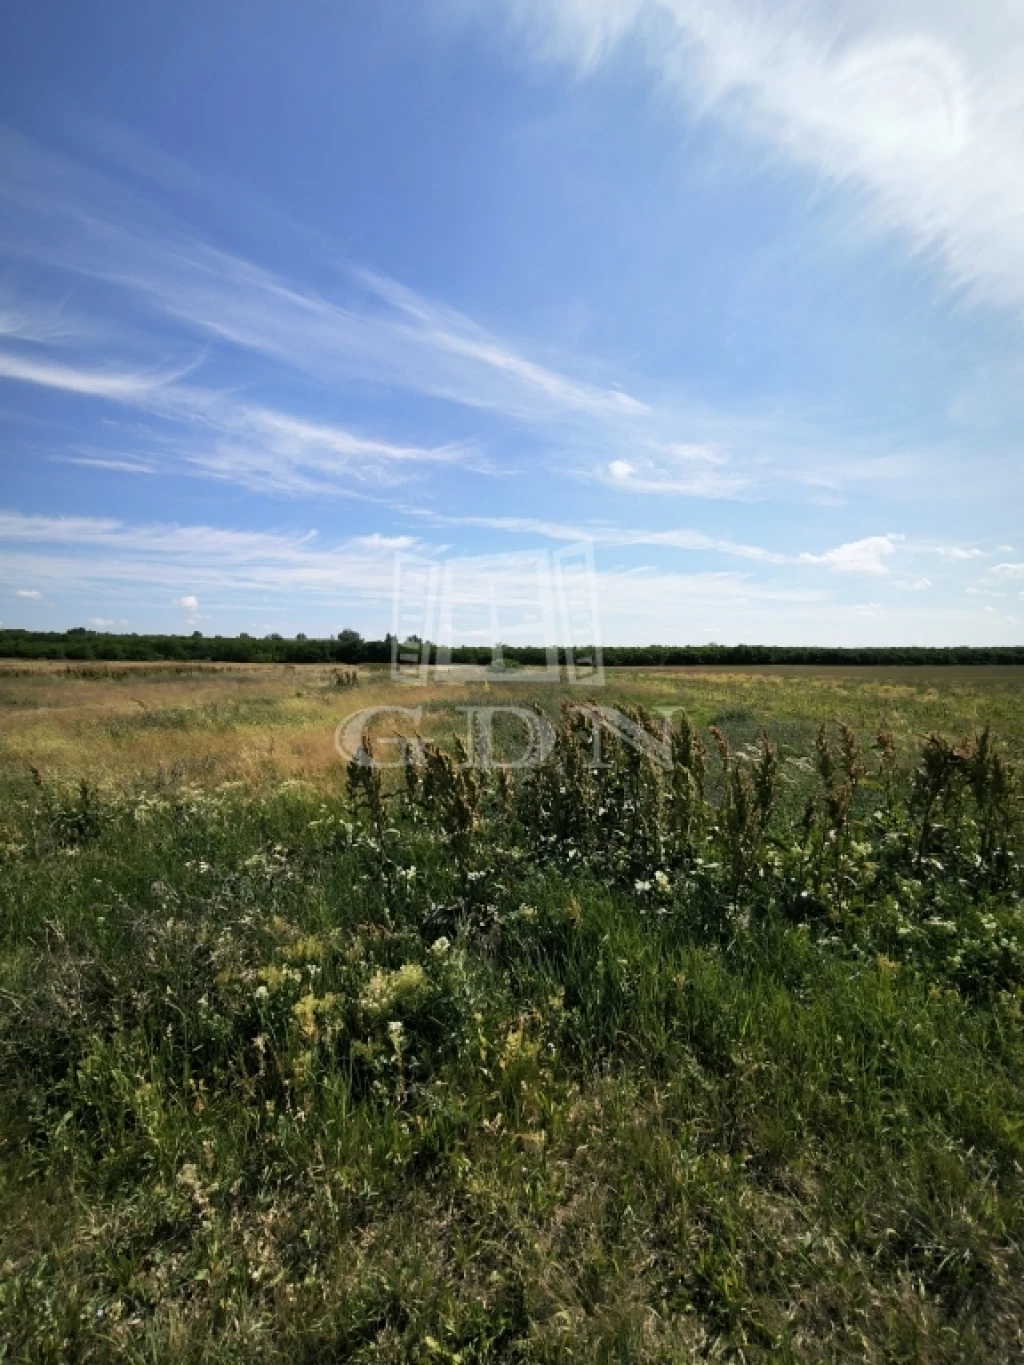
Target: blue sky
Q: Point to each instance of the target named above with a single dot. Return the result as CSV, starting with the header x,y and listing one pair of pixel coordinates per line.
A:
x,y
732,292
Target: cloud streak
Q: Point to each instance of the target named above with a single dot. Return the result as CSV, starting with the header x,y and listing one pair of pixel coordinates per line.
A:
x,y
121,387
602,534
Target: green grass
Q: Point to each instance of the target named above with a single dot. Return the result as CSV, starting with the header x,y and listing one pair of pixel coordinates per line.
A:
x,y
287,1079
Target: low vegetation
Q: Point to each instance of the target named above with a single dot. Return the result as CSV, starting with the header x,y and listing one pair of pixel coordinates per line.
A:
x,y
627,1060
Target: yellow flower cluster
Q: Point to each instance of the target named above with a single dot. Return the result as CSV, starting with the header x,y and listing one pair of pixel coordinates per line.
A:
x,y
386,991
310,1009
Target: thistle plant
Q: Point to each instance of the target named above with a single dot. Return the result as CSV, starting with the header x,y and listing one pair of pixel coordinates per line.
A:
x,y
365,788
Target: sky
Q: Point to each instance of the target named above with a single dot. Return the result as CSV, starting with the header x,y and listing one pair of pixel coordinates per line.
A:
x,y
722,300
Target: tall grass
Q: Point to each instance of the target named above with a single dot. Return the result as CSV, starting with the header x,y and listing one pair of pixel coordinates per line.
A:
x,y
590,1062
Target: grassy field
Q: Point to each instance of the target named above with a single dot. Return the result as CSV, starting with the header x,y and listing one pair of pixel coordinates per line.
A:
x,y
718,1061
210,722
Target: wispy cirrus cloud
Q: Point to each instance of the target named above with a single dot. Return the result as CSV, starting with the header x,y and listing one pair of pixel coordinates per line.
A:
x,y
359,327
153,539
250,444
119,466
373,329
913,105
603,534
119,386
26,320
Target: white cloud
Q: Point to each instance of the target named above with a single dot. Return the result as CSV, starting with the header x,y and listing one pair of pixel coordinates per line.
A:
x,y
237,568
674,468
379,542
913,104
298,579
867,556
29,594
954,551
1008,570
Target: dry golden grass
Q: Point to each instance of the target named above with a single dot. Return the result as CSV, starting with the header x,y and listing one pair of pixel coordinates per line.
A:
x,y
215,722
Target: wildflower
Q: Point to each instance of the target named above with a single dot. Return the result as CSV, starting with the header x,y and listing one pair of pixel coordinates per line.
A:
x,y
306,949
440,946
640,887
385,990
275,977
661,881
308,1008
517,1048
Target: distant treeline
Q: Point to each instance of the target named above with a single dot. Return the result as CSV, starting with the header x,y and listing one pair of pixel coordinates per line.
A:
x,y
350,648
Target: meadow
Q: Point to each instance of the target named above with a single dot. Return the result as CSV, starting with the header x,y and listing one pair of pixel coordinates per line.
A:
x,y
303,1060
